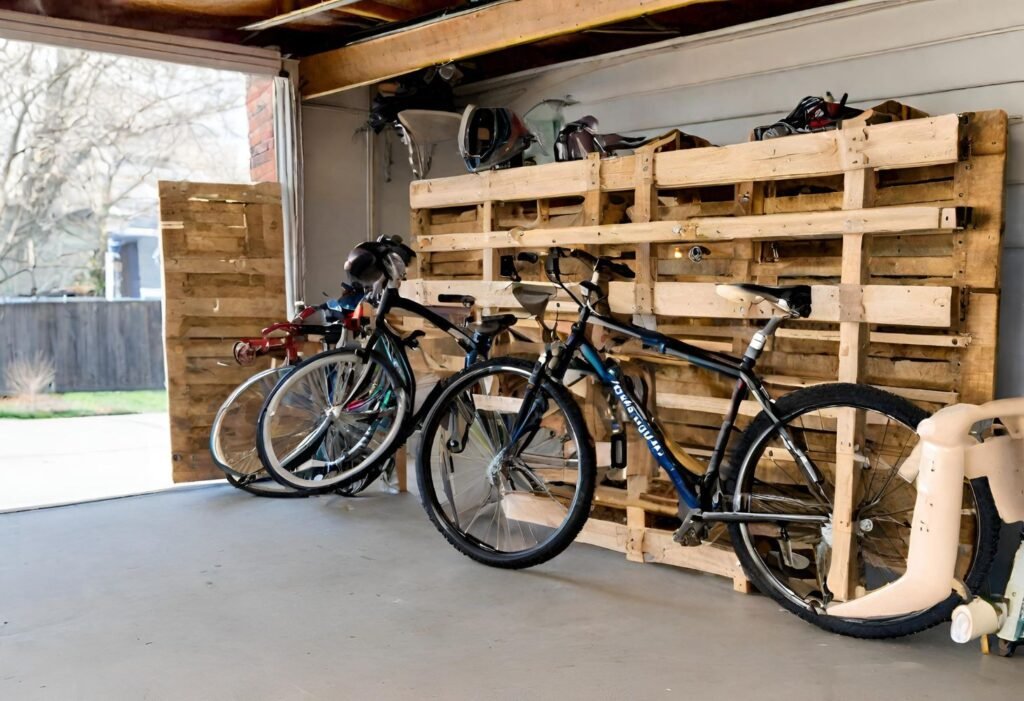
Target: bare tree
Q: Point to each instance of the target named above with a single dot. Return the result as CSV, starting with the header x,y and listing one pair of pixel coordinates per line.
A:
x,y
84,137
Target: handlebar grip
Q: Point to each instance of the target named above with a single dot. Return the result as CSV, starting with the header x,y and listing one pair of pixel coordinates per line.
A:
x,y
582,255
603,264
527,257
622,270
465,300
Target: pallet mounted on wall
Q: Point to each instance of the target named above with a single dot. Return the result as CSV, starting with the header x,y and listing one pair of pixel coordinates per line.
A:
x,y
896,225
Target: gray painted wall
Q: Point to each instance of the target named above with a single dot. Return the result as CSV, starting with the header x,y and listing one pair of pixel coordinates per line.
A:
x,y
939,55
335,210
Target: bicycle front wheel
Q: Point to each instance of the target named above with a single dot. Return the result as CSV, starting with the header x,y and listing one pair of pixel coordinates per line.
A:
x,y
791,562
506,493
334,418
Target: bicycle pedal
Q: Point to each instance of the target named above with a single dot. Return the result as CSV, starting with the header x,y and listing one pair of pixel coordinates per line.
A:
x,y
689,538
692,531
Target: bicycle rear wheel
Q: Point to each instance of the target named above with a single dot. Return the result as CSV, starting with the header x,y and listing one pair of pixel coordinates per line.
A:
x,y
233,437
263,485
791,561
336,417
233,434
505,497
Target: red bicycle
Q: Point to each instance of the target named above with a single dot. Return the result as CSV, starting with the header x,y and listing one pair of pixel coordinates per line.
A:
x,y
233,434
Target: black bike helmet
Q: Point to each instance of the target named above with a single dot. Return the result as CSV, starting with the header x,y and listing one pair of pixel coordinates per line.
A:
x,y
813,114
364,266
490,137
367,263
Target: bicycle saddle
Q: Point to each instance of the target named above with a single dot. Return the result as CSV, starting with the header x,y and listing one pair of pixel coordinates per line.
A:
x,y
492,325
794,300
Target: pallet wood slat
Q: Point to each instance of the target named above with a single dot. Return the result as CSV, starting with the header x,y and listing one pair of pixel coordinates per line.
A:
x,y
896,227
804,225
896,145
882,304
917,142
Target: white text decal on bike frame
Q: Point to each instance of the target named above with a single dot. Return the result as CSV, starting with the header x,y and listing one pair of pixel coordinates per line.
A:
x,y
638,419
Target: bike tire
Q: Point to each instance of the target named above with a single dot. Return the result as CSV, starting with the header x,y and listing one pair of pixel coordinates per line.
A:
x,y
749,453
266,487
447,520
294,387
230,453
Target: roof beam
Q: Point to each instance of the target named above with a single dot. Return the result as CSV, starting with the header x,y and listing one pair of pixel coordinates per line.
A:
x,y
296,15
472,33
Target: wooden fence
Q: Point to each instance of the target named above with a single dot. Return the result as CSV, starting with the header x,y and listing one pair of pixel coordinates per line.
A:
x,y
94,344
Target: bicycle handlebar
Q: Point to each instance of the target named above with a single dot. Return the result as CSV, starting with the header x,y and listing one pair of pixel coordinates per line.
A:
x,y
601,264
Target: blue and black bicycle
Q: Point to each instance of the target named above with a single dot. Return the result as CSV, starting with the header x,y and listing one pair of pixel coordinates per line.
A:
x,y
507,467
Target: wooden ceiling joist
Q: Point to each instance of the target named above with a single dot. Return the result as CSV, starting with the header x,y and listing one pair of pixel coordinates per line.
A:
x,y
298,15
472,33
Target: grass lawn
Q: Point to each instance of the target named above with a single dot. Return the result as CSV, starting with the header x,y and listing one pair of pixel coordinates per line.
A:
x,y
51,406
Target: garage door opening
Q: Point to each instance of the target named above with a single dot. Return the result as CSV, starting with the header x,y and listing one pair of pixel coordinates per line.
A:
x,y
86,136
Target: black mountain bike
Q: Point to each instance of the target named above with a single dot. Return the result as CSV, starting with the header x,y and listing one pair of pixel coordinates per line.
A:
x,y
506,465
336,419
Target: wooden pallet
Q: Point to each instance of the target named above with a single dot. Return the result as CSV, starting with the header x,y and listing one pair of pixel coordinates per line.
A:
x,y
896,224
223,249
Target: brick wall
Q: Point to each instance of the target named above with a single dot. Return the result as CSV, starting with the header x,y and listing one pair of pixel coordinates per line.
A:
x,y
260,104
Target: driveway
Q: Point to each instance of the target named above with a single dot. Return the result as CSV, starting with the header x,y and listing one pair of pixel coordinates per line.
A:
x,y
57,461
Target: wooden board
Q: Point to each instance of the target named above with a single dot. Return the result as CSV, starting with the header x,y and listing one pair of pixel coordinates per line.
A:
x,y
223,250
920,142
465,34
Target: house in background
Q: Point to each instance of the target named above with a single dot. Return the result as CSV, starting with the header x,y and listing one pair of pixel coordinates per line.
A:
x,y
132,265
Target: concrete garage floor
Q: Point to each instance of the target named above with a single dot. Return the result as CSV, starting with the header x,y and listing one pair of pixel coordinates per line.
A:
x,y
210,594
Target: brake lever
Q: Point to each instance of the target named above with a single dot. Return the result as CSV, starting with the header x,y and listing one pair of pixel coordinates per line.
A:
x,y
413,339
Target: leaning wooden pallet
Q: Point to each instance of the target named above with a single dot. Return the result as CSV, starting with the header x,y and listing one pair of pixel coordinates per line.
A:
x,y
223,259
896,226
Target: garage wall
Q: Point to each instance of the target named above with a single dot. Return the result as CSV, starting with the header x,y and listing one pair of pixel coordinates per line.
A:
x,y
939,55
335,210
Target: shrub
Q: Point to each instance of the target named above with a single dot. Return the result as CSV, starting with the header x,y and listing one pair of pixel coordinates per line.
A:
x,y
30,377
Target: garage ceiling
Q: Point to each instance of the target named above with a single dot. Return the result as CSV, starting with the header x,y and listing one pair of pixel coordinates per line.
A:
x,y
302,28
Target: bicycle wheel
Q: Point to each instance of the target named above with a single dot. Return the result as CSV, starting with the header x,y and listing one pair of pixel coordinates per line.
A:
x,y
334,418
505,499
262,485
233,434
233,437
357,486
790,562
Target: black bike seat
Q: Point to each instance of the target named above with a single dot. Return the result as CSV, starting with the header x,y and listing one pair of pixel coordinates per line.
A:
x,y
792,299
492,325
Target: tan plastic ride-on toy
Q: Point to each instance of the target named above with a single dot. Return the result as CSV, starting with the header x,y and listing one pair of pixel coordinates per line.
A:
x,y
959,441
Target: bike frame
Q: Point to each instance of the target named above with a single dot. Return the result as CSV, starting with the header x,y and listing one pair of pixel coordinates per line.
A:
x,y
697,494
477,347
